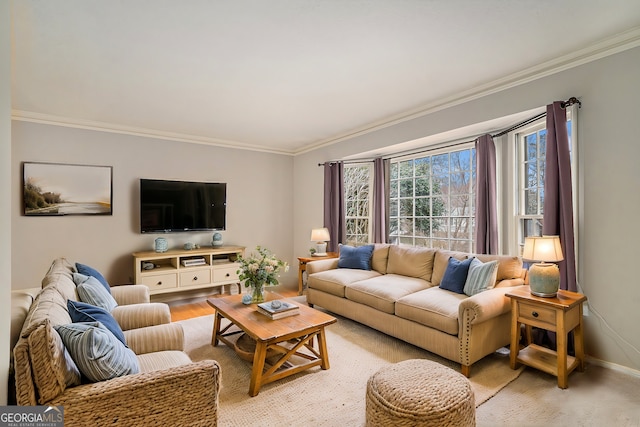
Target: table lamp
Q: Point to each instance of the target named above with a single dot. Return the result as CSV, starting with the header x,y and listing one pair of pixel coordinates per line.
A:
x,y
544,276
321,237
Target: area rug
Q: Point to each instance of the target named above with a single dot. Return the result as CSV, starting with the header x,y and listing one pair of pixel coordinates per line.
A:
x,y
333,397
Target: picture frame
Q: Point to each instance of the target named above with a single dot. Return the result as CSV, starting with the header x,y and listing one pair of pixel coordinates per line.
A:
x,y
58,189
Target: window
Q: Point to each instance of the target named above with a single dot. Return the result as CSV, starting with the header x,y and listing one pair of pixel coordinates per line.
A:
x,y
431,200
531,146
358,185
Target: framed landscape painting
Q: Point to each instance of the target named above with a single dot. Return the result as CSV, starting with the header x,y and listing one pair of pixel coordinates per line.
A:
x,y
54,189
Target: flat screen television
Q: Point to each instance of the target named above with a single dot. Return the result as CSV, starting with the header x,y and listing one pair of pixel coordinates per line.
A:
x,y
178,206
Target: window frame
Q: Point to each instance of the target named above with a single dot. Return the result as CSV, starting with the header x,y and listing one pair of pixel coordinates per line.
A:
x,y
369,218
450,148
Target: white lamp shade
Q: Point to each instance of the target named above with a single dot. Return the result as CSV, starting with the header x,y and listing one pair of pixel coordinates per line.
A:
x,y
320,235
545,248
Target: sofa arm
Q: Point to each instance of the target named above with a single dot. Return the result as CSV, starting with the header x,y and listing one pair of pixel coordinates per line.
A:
x,y
322,265
141,315
483,306
155,338
130,294
185,394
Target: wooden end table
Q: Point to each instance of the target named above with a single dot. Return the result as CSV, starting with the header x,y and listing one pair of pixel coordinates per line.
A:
x,y
561,314
286,337
302,266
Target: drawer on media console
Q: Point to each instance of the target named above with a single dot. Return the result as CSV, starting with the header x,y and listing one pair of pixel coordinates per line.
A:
x,y
225,274
195,277
160,281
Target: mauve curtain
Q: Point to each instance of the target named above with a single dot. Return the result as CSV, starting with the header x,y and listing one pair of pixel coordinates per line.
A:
x,y
558,198
380,173
334,203
486,233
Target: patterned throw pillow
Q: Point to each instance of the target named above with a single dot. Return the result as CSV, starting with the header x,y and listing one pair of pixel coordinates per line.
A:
x,y
90,271
91,291
481,276
83,312
98,353
455,275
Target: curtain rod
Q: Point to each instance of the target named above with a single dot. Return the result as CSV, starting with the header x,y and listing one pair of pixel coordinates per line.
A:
x,y
564,104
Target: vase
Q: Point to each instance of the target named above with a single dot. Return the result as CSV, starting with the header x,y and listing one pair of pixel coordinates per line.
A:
x,y
257,294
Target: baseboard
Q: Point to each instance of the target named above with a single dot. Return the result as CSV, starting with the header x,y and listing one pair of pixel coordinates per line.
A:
x,y
614,366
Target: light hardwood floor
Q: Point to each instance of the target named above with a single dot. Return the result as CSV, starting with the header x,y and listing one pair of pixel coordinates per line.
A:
x,y
181,310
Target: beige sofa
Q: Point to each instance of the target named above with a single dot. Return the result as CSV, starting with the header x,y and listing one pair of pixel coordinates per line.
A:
x,y
400,296
169,388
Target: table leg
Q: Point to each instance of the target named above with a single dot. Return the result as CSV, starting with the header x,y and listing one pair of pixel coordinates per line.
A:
x,y
515,335
301,269
258,366
216,329
561,351
322,349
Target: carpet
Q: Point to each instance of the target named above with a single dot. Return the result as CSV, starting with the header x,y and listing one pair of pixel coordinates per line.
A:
x,y
325,398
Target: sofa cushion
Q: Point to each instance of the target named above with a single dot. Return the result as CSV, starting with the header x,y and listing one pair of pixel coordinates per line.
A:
x,y
159,360
91,291
411,261
83,312
382,292
97,352
52,368
455,275
334,281
440,263
90,271
358,258
380,257
481,276
509,267
433,307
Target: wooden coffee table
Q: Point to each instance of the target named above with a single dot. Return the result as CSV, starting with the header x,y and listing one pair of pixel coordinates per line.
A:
x,y
291,337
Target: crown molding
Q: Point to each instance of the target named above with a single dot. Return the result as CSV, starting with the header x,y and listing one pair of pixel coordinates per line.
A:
x,y
619,43
48,119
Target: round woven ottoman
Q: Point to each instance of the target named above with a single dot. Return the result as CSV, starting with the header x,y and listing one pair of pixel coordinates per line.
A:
x,y
419,393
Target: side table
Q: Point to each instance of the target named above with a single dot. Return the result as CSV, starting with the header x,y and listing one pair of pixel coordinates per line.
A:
x,y
561,314
302,266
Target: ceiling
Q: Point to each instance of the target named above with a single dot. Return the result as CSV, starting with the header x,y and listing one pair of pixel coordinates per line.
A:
x,y
287,75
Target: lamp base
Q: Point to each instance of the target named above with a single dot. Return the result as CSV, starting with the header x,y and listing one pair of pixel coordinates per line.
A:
x,y
544,280
321,249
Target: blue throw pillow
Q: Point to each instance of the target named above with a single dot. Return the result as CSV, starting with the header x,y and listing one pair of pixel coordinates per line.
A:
x,y
83,312
455,275
98,354
90,271
358,258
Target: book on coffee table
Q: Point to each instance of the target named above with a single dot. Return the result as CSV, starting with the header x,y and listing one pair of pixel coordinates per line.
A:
x,y
284,310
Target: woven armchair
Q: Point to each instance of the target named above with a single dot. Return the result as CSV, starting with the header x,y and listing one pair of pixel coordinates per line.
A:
x,y
169,389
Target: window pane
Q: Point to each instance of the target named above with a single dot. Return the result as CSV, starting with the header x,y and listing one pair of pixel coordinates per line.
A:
x,y
422,167
406,187
422,187
406,169
406,207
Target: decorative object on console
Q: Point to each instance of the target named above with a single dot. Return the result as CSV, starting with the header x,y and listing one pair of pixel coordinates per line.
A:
x,y
544,276
188,246
259,270
161,244
321,237
216,240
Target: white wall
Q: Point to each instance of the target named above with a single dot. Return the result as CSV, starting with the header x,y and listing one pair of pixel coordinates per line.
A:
x,y
5,192
609,178
259,199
